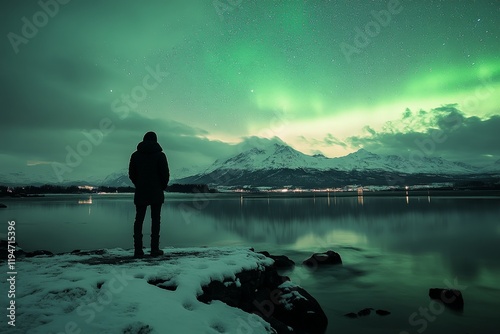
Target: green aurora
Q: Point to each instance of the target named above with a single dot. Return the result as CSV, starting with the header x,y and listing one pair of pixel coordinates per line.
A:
x,y
324,76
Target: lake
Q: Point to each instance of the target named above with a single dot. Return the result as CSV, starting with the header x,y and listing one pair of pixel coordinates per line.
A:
x,y
394,248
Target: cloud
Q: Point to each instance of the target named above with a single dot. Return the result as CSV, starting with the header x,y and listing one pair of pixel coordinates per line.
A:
x,y
331,140
444,131
37,149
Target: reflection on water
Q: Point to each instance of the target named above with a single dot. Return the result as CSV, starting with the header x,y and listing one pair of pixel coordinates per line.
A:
x,y
463,231
85,201
402,244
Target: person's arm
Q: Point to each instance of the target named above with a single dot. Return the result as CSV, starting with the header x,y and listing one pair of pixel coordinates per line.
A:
x,y
132,172
164,171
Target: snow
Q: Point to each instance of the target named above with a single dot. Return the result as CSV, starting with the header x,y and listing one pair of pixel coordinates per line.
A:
x,y
276,155
110,293
287,298
256,154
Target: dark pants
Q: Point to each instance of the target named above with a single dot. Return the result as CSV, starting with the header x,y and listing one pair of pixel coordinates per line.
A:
x,y
140,214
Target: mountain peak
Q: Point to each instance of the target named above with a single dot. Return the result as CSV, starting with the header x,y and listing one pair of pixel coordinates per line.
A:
x,y
258,156
363,151
362,154
257,142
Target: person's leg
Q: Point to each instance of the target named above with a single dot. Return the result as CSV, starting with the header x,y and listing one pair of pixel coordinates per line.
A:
x,y
155,229
140,213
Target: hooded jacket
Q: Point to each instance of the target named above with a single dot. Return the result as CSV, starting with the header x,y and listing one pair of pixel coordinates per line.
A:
x,y
148,171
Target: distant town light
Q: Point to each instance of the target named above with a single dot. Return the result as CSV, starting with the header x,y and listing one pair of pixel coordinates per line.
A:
x,y
86,187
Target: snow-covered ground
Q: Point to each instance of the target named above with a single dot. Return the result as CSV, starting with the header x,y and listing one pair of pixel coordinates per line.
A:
x,y
110,293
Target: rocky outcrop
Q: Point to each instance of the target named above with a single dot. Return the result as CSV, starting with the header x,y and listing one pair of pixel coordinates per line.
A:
x,y
365,312
7,248
36,253
450,297
320,259
382,312
287,307
260,292
280,261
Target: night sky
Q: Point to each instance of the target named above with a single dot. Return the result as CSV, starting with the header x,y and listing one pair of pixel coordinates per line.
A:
x,y
323,76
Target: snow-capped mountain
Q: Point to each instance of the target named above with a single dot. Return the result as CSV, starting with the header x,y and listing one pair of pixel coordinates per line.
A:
x,y
493,168
121,179
363,160
276,156
273,156
279,164
271,162
117,179
21,178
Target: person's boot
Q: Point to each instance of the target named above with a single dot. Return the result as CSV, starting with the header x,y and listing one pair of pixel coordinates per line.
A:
x,y
138,252
156,252
155,247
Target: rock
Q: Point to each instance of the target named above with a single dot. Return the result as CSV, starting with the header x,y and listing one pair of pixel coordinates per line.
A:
x,y
11,249
382,312
298,309
38,253
287,307
365,311
2,206
88,252
163,284
450,297
280,261
319,259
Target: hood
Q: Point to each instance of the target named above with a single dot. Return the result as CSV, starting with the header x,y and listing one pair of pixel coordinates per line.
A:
x,y
149,147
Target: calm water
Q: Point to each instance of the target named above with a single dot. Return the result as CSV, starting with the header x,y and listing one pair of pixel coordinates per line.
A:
x,y
394,248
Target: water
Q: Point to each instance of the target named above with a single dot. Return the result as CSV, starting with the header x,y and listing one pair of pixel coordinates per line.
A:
x,y
394,248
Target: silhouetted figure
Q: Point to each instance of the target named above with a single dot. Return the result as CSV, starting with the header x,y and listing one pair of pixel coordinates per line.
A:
x,y
148,171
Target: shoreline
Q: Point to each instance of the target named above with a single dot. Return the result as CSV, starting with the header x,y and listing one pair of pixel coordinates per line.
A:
x,y
202,287
437,192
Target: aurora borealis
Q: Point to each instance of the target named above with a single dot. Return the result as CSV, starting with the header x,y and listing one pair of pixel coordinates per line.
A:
x,y
324,76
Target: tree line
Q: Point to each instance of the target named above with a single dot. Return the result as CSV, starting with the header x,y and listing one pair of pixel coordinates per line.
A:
x,y
27,191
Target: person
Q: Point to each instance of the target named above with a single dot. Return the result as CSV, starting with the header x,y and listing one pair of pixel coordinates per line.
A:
x,y
148,171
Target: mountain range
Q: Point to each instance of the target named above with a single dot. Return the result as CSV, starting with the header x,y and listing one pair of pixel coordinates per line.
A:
x,y
272,163
278,164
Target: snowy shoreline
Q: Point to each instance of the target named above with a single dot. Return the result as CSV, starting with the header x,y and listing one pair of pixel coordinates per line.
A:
x,y
108,291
